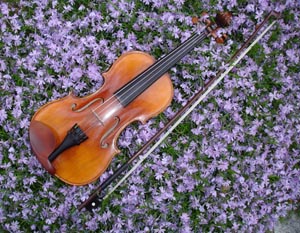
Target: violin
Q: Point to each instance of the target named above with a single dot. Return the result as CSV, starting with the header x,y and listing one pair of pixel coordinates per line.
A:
x,y
75,138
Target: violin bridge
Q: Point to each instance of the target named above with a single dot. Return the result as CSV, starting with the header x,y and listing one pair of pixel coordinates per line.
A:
x,y
98,118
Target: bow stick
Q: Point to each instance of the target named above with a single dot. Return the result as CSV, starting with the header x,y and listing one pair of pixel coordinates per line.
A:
x,y
94,200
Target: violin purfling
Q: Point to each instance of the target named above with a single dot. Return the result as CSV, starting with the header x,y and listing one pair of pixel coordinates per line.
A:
x,y
75,138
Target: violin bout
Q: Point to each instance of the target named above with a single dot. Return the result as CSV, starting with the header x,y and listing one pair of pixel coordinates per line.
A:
x,y
100,116
75,138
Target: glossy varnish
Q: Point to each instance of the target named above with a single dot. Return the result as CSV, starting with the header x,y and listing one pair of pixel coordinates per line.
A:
x,y
84,163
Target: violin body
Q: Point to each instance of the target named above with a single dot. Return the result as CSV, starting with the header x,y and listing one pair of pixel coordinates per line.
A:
x,y
75,138
101,119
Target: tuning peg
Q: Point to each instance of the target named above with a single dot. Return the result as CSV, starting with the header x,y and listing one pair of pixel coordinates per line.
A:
x,y
195,19
223,19
204,18
221,39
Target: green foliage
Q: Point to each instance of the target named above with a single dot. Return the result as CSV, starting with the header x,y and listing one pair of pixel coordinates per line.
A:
x,y
182,137
193,7
287,16
273,178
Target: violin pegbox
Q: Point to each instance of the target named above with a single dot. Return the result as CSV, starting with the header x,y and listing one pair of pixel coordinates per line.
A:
x,y
215,29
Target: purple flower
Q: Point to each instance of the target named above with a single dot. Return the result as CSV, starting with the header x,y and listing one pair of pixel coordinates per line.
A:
x,y
3,115
223,165
291,53
185,218
219,164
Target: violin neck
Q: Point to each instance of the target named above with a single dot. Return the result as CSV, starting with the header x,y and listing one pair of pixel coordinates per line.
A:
x,y
141,82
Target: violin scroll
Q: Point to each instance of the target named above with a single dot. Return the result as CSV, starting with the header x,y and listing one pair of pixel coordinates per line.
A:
x,y
223,19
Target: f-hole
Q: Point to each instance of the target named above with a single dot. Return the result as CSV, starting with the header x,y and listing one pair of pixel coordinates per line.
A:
x,y
104,144
74,105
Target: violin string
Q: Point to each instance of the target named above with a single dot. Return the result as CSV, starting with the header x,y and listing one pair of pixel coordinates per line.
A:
x,y
191,108
150,72
92,121
148,81
159,62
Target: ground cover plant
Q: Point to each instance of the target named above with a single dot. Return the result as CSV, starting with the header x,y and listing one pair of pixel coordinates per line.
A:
x,y
233,166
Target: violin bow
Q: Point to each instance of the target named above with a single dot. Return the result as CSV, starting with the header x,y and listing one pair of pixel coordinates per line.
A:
x,y
95,198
